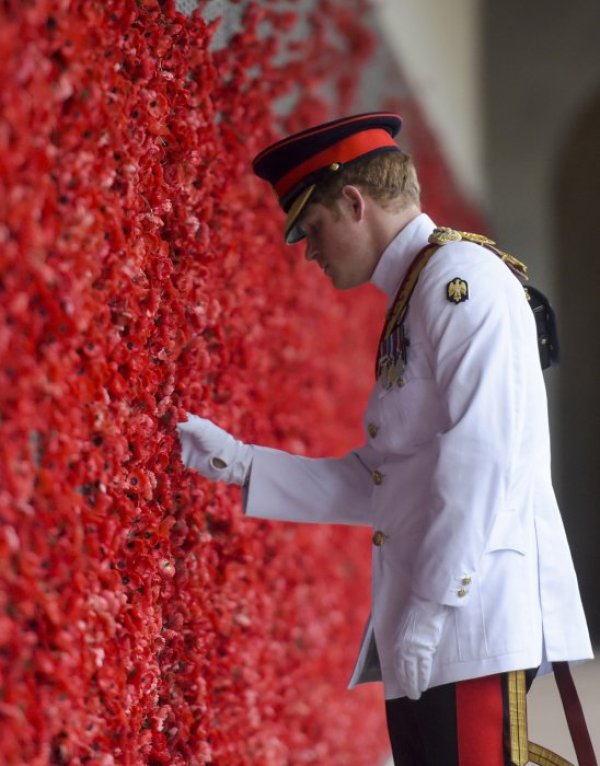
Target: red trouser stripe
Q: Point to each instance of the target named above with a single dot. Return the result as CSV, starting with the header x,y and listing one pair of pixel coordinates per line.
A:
x,y
479,721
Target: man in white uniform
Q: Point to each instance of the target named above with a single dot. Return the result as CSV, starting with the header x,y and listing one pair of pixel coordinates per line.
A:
x,y
472,576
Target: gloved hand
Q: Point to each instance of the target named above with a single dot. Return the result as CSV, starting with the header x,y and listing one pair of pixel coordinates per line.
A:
x,y
420,631
213,452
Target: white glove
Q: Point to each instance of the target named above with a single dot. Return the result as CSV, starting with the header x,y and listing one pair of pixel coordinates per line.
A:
x,y
213,452
420,631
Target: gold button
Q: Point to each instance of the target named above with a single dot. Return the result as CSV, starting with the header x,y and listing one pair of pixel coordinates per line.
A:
x,y
379,538
377,477
466,580
335,166
373,430
462,592
400,382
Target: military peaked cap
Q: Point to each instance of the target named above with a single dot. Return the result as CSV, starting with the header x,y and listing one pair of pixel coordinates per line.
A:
x,y
295,165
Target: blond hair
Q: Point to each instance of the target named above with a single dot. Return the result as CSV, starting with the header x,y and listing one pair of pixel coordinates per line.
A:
x,y
389,178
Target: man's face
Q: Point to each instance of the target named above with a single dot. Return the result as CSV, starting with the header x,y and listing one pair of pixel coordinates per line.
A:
x,y
337,239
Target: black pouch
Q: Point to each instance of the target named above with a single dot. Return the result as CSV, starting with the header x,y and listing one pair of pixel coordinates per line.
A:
x,y
545,322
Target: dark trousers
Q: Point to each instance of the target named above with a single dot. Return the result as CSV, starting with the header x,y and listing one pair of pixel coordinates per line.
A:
x,y
460,724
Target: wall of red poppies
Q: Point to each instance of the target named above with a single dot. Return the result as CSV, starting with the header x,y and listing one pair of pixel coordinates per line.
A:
x,y
142,619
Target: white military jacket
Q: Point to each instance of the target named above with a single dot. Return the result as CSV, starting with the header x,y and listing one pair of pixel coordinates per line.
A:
x,y
454,478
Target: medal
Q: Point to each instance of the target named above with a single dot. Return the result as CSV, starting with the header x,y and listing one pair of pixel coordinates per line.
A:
x,y
392,356
393,343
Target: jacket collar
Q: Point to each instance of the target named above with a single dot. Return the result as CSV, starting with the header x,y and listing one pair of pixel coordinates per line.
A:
x,y
398,255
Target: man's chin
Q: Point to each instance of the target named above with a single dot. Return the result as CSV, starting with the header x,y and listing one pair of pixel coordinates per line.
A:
x,y
341,283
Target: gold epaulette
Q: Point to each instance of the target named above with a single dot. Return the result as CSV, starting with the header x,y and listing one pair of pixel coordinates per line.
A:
x,y
444,235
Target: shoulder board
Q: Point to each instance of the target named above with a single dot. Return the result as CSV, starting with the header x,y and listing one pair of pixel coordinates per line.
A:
x,y
443,235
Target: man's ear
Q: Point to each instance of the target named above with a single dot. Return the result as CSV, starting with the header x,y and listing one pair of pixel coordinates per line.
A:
x,y
355,201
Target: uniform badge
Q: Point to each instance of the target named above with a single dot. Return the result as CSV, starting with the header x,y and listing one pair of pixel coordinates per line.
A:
x,y
457,290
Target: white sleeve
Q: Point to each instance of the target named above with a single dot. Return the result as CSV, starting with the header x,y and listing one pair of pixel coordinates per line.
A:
x,y
316,490
477,366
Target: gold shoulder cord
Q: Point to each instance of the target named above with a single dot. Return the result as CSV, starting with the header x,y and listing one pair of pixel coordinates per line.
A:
x,y
443,235
522,751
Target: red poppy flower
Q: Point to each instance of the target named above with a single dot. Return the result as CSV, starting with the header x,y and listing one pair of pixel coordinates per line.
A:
x,y
142,275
